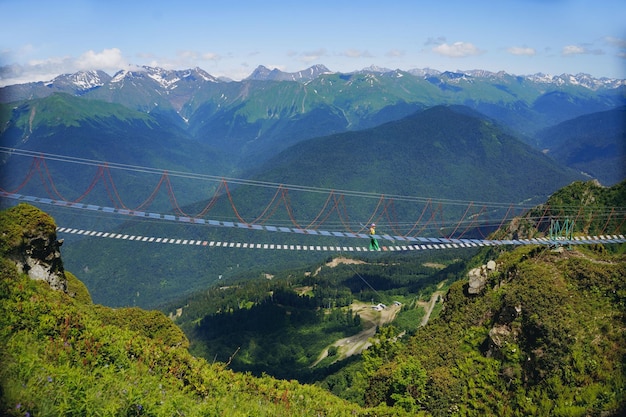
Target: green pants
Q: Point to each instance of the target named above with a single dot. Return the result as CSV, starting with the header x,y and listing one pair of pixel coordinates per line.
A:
x,y
374,244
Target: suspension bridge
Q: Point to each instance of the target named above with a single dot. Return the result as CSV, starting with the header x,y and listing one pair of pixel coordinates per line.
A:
x,y
332,220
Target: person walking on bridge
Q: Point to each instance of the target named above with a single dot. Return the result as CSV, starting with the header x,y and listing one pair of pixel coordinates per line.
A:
x,y
373,241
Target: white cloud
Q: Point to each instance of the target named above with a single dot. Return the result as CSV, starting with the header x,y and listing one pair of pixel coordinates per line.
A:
x,y
19,74
435,41
457,49
356,53
107,60
519,50
395,53
580,50
315,55
35,70
573,50
617,42
209,56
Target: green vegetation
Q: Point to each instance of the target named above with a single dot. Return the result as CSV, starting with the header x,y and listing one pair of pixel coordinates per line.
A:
x,y
545,336
62,109
420,146
592,143
547,340
64,356
280,326
592,208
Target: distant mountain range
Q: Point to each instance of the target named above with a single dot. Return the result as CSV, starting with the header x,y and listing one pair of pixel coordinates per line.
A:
x,y
252,119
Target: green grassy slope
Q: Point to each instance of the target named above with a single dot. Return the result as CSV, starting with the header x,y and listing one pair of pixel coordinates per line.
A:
x,y
545,337
62,355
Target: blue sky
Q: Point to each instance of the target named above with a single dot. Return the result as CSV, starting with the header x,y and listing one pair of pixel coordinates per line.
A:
x,y
40,39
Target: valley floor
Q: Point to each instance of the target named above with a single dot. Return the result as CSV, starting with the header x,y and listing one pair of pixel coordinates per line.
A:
x,y
355,344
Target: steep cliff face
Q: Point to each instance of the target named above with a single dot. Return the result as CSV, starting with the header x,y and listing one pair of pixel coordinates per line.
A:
x,y
28,238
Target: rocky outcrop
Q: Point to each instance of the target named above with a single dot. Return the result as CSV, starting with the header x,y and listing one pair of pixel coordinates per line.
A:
x,y
41,260
503,332
478,277
28,238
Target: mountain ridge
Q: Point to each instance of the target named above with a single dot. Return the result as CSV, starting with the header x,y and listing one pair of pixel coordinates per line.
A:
x,y
194,98
89,79
594,144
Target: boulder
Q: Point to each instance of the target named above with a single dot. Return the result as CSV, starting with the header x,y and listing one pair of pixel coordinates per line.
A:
x,y
28,238
41,260
478,277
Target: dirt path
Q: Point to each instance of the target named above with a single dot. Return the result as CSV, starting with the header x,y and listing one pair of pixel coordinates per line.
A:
x,y
429,307
355,344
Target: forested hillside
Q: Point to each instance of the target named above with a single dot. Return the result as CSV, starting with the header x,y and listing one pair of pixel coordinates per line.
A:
x,y
594,143
543,335
280,325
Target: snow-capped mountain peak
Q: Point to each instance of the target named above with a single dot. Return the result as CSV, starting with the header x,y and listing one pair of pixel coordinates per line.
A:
x,y
81,81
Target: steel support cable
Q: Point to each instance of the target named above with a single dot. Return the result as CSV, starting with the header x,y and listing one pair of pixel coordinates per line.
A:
x,y
188,175
232,204
34,166
391,217
423,243
594,215
284,196
328,213
578,214
172,196
148,201
443,220
433,212
473,222
372,217
39,158
345,214
274,205
47,188
114,197
433,217
259,218
114,188
607,223
330,196
540,221
216,195
46,173
360,276
619,227
506,215
420,218
462,218
346,222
